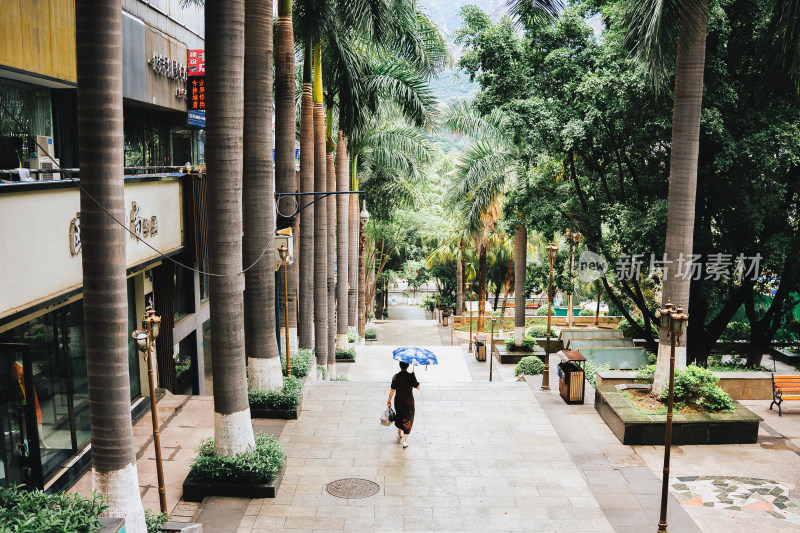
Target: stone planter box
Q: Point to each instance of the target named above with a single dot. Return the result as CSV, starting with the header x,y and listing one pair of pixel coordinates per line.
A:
x,y
740,385
111,525
556,345
635,428
371,340
338,360
506,356
280,414
195,491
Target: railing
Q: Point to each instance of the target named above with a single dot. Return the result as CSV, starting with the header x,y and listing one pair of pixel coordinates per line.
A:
x,y
13,174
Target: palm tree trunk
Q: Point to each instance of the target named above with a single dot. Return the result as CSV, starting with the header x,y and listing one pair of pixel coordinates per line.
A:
x,y
459,288
481,286
305,329
520,259
233,432
105,301
285,126
320,218
342,237
507,289
261,344
352,261
689,66
330,174
362,285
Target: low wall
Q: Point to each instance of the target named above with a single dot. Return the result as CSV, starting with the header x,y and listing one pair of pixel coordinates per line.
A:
x,y
740,385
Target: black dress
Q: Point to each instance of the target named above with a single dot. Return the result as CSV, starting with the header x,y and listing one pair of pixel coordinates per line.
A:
x,y
403,383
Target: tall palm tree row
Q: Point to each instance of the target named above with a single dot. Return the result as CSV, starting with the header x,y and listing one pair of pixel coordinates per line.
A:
x,y
261,343
305,318
343,215
105,302
233,432
320,215
285,181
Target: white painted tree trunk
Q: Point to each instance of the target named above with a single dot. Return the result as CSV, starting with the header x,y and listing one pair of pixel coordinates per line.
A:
x,y
121,489
233,433
264,374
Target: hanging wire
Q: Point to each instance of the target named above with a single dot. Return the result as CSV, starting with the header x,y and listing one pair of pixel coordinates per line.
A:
x,y
69,177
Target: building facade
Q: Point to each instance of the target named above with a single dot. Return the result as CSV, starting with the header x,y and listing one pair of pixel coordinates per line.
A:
x,y
44,418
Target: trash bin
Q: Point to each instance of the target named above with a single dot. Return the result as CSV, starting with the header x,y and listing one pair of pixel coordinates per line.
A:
x,y
571,384
480,347
445,318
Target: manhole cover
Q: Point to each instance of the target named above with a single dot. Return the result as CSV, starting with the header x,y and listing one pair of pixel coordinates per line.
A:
x,y
352,488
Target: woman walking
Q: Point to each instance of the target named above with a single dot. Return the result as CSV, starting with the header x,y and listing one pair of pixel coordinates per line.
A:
x,y
402,384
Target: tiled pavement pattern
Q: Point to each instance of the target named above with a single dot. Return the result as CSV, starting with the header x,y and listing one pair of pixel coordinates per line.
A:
x,y
481,458
739,493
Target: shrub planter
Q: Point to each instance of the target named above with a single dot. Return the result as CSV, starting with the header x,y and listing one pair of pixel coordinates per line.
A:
x,y
280,414
195,491
632,427
740,385
512,357
346,359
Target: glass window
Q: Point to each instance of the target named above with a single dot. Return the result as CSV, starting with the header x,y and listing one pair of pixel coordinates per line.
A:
x,y
133,351
184,289
32,107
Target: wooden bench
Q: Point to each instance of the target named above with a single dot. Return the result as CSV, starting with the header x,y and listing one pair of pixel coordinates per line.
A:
x,y
784,388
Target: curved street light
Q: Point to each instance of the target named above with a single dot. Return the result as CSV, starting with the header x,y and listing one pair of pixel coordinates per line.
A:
x,y
552,252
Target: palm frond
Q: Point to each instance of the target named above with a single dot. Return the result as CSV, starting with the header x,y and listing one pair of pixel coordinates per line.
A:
x,y
533,13
463,118
398,82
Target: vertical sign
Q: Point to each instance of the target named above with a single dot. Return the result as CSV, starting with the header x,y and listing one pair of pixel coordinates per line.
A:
x,y
197,62
197,92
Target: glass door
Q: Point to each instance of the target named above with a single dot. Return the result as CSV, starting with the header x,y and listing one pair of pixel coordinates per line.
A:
x,y
15,457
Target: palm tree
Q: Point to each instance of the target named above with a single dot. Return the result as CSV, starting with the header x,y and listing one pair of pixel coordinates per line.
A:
x,y
653,29
233,432
285,126
520,261
330,174
105,309
320,216
343,216
305,261
261,343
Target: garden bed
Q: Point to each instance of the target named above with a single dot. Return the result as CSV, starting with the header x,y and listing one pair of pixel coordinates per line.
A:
x,y
632,426
284,404
346,356
254,474
506,356
740,385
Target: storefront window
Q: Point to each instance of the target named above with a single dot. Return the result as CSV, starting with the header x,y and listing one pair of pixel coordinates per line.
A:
x,y
133,351
31,107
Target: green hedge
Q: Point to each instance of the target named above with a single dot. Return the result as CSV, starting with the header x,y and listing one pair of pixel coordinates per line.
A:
x,y
370,334
539,331
287,398
301,362
530,366
261,464
34,511
349,354
352,335
528,344
695,385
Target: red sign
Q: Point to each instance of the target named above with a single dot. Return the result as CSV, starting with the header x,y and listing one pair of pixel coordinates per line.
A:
x,y
197,92
197,62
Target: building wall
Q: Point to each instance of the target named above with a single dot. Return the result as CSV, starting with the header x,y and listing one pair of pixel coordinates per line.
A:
x,y
36,261
39,37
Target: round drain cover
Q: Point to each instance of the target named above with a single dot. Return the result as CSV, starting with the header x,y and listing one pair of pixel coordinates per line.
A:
x,y
352,488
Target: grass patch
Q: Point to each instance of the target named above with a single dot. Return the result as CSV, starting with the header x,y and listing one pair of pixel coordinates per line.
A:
x,y
340,377
288,398
261,464
23,511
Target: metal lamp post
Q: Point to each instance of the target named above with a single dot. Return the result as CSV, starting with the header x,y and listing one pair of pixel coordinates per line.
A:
x,y
283,252
552,252
673,320
151,325
364,217
574,239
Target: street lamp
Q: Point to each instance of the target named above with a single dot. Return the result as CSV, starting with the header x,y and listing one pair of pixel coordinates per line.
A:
x,y
151,326
283,252
470,322
673,320
552,252
361,286
574,239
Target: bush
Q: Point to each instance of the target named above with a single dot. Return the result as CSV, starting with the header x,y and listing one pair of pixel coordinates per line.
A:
x,y
528,345
340,377
370,334
428,302
260,464
693,385
629,331
592,370
588,311
288,398
301,362
541,311
736,331
539,331
154,521
23,511
322,370
349,354
530,366
352,336
652,358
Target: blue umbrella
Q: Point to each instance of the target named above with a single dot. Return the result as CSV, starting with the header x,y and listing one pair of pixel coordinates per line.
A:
x,y
415,356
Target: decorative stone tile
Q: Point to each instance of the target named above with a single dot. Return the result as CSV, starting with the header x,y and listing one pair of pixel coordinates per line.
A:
x,y
739,494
